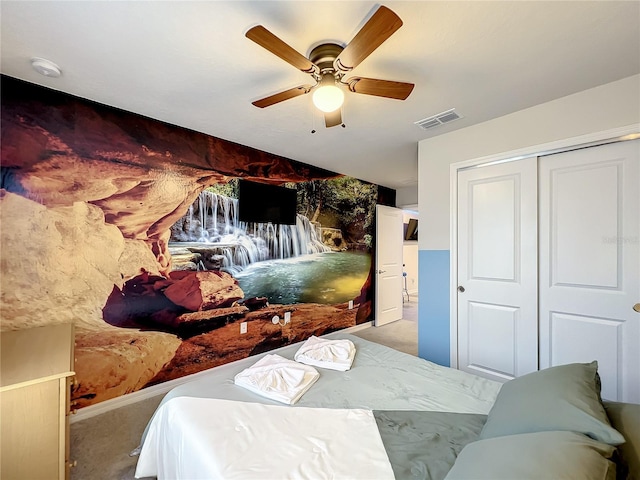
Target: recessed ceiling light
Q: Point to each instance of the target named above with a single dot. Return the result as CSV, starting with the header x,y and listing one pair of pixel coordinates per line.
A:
x,y
45,67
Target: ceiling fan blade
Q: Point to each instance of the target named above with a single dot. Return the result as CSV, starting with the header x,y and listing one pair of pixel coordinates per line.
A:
x,y
378,28
268,40
333,119
282,96
380,88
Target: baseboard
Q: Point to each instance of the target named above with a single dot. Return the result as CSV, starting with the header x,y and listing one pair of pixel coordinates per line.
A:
x,y
356,328
133,397
163,388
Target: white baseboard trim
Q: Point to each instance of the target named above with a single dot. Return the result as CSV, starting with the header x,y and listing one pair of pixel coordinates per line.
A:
x,y
163,388
356,328
133,397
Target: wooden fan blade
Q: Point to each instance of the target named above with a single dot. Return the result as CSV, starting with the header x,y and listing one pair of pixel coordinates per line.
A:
x,y
268,40
380,88
333,119
282,96
380,26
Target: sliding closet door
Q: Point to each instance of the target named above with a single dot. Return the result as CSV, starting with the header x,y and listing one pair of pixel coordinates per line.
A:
x,y
590,263
497,270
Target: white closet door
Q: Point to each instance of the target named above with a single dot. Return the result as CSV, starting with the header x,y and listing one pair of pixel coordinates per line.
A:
x,y
590,263
497,270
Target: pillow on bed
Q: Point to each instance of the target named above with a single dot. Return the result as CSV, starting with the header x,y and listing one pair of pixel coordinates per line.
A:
x,y
533,456
566,397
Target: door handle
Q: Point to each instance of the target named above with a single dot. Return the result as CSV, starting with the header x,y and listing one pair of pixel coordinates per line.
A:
x,y
461,289
381,271
636,307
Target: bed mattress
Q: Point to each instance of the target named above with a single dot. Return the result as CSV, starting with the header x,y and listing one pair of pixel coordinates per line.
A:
x,y
424,413
380,378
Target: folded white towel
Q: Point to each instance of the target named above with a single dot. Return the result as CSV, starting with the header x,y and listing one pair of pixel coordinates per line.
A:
x,y
277,378
332,354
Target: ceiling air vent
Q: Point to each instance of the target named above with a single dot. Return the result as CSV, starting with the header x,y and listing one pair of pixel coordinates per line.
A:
x,y
439,119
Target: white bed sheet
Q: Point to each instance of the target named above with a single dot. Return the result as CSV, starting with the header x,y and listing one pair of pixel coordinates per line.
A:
x,y
198,438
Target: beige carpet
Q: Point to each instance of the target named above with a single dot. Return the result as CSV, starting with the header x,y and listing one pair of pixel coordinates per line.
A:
x,y
101,444
401,334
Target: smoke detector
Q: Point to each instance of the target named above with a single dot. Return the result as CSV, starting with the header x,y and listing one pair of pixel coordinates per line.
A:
x,y
439,119
45,67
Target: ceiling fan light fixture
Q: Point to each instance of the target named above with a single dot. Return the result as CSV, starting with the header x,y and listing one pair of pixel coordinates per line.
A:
x,y
328,98
327,63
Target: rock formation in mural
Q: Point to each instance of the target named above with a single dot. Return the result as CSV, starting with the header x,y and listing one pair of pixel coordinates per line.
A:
x,y
90,199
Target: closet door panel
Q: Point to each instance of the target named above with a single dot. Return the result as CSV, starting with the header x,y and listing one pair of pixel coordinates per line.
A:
x,y
590,263
600,339
497,270
492,330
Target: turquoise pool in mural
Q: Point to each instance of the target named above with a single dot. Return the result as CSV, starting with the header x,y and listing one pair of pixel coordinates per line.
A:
x,y
328,278
288,264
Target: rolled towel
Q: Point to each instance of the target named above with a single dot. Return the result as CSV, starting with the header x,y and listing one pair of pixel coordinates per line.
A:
x,y
277,378
323,353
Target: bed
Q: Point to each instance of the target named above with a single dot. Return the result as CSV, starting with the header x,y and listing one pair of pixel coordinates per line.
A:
x,y
392,415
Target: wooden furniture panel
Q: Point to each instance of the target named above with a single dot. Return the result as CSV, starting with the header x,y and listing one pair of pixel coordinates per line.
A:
x,y
36,365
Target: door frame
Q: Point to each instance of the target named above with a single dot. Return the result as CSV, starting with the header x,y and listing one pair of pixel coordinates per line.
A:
x,y
629,132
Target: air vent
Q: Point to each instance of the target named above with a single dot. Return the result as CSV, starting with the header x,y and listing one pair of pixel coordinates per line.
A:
x,y
439,119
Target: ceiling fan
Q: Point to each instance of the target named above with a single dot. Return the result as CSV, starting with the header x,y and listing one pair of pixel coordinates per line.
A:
x,y
328,63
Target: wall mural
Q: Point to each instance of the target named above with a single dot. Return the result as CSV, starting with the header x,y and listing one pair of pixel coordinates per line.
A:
x,y
130,228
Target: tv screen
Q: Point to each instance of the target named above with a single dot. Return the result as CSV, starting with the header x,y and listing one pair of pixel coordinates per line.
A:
x,y
263,203
412,230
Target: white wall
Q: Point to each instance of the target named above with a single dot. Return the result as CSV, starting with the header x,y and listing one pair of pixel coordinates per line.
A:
x,y
407,196
606,107
410,260
410,256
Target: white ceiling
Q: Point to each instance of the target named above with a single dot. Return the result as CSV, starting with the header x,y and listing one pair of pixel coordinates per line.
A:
x,y
189,64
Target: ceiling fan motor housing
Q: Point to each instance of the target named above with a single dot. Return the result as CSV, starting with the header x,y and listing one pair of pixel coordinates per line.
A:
x,y
324,55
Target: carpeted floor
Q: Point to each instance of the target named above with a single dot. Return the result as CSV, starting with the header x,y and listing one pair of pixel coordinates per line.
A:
x,y
401,334
101,444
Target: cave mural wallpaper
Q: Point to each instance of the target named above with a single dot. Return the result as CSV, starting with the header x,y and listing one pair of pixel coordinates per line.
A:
x,y
130,228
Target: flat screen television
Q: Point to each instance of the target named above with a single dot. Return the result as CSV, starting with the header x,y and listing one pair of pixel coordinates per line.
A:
x,y
264,203
412,230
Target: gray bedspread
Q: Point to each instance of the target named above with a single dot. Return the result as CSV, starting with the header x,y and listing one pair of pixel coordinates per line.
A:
x,y
424,445
380,379
412,400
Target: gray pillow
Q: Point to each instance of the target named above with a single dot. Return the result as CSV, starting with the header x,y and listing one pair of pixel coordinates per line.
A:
x,y
535,456
566,397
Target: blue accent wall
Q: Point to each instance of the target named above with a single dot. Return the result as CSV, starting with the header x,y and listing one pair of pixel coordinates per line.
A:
x,y
433,310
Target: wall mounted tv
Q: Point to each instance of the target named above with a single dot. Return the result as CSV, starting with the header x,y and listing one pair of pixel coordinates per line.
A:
x,y
263,203
411,233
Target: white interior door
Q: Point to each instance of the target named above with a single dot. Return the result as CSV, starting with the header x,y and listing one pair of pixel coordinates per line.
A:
x,y
389,243
590,263
497,270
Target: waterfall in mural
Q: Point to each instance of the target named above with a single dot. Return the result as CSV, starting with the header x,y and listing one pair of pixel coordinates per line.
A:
x,y
213,220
